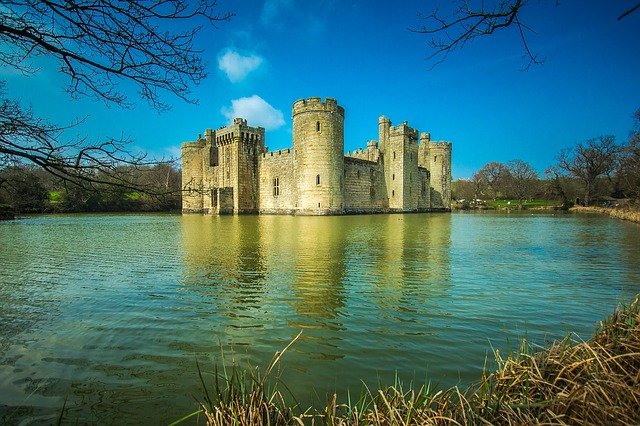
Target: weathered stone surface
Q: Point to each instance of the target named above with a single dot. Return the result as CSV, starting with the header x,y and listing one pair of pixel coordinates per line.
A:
x,y
231,171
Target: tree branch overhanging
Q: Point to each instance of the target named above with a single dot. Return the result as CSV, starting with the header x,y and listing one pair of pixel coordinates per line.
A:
x,y
472,19
100,44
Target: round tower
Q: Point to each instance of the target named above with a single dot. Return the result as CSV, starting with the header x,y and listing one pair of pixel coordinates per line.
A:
x,y
318,142
440,170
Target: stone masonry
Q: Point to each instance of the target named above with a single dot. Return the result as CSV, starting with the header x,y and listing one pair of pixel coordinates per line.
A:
x,y
231,171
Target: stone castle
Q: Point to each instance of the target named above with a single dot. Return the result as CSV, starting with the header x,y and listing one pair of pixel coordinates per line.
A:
x,y
231,171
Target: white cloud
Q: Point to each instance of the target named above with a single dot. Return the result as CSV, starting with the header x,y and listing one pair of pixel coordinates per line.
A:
x,y
256,111
237,66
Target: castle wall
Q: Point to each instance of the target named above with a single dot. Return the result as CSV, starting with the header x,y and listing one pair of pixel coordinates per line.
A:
x,y
364,186
230,170
423,187
278,188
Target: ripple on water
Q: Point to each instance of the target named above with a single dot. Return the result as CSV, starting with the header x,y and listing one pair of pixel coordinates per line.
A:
x,y
113,311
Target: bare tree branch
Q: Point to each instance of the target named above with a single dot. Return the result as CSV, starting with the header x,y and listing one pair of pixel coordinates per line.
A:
x,y
472,19
100,43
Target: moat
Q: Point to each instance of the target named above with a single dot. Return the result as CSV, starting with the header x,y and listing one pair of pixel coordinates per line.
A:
x,y
111,311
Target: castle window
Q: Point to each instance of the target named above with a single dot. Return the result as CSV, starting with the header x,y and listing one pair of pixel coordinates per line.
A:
x,y
317,179
424,188
393,193
393,176
435,158
394,155
317,126
213,157
372,192
358,174
276,187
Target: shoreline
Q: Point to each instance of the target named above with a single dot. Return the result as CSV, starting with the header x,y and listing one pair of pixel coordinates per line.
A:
x,y
576,382
623,214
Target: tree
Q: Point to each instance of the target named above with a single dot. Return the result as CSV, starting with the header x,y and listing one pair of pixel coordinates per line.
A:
x,y
590,161
494,176
472,19
23,189
99,45
522,180
629,171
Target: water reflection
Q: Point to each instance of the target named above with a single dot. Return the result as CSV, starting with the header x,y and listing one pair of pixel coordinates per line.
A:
x,y
110,311
372,283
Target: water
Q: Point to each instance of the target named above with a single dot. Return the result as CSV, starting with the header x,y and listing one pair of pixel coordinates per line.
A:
x,y
110,312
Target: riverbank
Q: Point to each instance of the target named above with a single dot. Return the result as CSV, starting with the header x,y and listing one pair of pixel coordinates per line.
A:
x,y
630,214
592,382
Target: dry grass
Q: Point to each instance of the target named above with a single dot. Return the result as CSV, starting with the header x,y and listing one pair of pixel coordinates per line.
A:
x,y
629,213
589,383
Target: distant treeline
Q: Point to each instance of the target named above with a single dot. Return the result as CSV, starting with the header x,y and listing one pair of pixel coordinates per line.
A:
x,y
597,171
30,189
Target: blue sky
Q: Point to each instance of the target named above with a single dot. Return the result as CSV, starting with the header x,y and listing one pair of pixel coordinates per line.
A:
x,y
362,53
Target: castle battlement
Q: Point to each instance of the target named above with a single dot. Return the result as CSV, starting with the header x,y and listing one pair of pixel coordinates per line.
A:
x,y
315,104
441,145
403,130
278,153
231,170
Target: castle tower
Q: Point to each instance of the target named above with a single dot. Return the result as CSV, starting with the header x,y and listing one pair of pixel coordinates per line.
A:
x,y
318,142
400,164
440,168
192,176
228,174
383,132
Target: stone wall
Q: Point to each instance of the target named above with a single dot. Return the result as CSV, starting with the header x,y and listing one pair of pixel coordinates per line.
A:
x,y
281,195
364,186
231,171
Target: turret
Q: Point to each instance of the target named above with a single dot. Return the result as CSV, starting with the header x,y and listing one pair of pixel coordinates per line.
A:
x,y
440,168
318,134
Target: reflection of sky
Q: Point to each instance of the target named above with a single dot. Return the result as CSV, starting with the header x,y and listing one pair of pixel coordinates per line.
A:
x,y
114,310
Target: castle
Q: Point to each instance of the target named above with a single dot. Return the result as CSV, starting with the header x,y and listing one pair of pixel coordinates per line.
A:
x,y
231,171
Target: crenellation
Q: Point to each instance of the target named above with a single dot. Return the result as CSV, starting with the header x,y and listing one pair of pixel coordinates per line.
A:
x,y
231,170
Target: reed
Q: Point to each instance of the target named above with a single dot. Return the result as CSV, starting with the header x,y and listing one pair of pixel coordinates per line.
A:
x,y
572,382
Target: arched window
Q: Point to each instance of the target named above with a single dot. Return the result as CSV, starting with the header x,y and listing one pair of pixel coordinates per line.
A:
x,y
317,126
317,179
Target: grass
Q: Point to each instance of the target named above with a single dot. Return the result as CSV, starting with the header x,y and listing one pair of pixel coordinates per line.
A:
x,y
586,382
527,204
631,213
